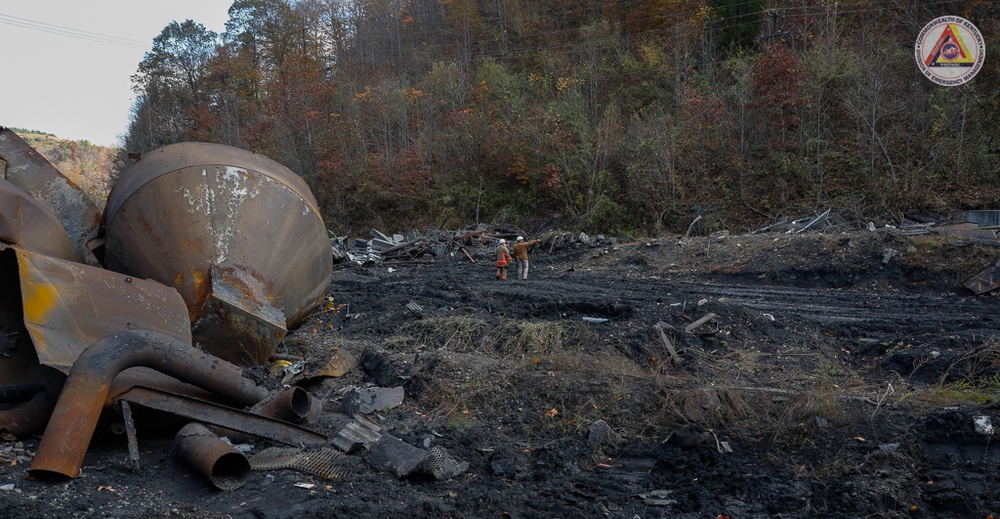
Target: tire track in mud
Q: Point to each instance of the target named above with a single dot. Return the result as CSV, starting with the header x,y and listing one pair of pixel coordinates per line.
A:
x,y
871,309
855,306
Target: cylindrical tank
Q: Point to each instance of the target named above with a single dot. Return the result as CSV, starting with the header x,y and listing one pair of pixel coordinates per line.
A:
x,y
237,234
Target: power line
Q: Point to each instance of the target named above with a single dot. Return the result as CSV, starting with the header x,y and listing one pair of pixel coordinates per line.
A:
x,y
73,33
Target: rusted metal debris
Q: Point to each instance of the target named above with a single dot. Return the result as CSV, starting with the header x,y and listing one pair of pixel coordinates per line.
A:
x,y
67,306
27,223
71,426
31,172
205,245
26,418
224,420
220,462
479,241
292,405
237,234
52,309
985,280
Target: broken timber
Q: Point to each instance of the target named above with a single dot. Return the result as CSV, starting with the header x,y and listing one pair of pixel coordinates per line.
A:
x,y
666,341
700,322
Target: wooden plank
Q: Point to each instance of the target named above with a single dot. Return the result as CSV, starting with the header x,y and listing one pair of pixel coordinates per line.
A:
x,y
666,342
700,322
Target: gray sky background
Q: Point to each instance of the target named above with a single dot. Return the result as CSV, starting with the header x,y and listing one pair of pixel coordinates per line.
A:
x,y
67,63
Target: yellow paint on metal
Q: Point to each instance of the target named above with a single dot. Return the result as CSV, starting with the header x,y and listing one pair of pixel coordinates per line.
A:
x,y
39,299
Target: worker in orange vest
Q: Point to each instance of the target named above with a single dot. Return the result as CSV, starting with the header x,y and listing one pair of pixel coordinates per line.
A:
x,y
503,258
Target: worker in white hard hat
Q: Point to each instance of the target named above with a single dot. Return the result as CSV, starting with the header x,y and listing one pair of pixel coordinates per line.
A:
x,y
520,252
503,258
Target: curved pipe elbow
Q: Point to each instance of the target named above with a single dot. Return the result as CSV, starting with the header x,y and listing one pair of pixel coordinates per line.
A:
x,y
79,407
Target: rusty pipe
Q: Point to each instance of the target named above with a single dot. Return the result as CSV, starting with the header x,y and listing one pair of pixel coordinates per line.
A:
x,y
17,393
223,465
72,424
291,405
29,417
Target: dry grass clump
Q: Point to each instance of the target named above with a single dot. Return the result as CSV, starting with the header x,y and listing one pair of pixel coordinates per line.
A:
x,y
938,252
755,393
506,338
971,379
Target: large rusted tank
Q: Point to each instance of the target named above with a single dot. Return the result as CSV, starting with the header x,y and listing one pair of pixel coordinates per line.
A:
x,y
237,234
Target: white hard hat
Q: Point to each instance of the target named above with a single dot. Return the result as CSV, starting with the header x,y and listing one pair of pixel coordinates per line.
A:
x,y
502,241
520,238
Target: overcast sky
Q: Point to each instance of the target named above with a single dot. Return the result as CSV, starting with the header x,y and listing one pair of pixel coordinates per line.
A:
x,y
67,63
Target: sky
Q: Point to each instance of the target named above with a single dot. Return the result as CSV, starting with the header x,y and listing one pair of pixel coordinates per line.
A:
x,y
67,64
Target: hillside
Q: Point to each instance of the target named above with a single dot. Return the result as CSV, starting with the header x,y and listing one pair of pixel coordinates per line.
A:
x,y
89,166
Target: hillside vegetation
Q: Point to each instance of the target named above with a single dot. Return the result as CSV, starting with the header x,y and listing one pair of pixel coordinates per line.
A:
x,y
628,116
87,165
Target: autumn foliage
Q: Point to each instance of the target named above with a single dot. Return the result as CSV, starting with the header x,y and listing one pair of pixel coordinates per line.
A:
x,y
622,116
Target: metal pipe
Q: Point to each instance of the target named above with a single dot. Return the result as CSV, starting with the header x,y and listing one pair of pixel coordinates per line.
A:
x,y
74,419
223,417
223,465
17,393
29,417
292,405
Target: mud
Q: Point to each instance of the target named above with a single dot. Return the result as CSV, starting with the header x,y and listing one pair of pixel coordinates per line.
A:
x,y
831,382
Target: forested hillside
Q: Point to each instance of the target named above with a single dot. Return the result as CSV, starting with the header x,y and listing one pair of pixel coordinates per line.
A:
x,y
629,116
87,165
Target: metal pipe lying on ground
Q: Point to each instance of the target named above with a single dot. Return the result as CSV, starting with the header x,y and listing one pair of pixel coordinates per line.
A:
x,y
75,417
27,418
25,408
292,405
223,465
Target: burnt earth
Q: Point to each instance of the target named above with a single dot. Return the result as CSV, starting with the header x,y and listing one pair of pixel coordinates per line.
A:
x,y
836,380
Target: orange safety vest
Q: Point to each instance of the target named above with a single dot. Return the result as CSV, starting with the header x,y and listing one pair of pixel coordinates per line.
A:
x,y
503,256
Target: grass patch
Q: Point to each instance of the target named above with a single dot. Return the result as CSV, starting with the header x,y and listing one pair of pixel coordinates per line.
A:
x,y
505,338
938,252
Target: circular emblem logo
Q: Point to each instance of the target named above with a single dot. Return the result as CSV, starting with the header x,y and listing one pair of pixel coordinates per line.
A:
x,y
950,50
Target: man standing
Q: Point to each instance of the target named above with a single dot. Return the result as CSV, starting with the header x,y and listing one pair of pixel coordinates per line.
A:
x,y
503,258
521,255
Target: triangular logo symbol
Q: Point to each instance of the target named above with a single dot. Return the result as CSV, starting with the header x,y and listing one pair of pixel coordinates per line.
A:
x,y
950,50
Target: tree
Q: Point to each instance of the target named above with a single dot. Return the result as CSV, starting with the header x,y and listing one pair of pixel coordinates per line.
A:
x,y
178,59
169,85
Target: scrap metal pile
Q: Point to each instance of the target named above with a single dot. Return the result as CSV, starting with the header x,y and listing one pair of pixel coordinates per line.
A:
x,y
203,259
476,242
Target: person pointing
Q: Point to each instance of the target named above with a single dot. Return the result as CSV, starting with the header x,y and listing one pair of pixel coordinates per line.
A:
x,y
520,253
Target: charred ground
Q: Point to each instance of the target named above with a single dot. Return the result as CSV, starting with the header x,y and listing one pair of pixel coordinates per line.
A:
x,y
840,377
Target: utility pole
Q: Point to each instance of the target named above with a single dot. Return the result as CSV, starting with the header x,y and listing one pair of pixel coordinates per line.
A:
x,y
773,33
